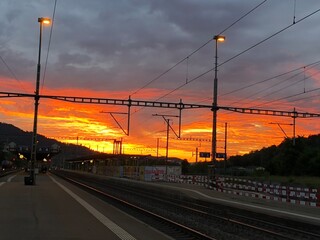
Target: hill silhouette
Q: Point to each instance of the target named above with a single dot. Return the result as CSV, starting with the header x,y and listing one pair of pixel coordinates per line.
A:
x,y
286,159
9,133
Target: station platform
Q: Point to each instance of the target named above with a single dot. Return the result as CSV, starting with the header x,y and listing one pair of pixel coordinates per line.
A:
x,y
306,214
55,209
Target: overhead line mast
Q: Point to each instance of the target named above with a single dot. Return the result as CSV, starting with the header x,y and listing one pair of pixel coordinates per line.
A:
x,y
172,105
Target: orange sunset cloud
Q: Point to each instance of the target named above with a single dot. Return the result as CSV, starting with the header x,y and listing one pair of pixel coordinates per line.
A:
x,y
162,56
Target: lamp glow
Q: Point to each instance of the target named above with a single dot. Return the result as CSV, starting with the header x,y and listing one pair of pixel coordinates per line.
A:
x,y
219,38
44,20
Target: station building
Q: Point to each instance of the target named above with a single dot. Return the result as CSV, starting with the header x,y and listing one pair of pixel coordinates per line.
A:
x,y
139,167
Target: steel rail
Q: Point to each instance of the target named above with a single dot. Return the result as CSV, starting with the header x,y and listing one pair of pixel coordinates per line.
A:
x,y
166,225
270,229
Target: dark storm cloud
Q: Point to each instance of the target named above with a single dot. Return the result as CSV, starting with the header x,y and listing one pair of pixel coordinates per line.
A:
x,y
74,59
118,45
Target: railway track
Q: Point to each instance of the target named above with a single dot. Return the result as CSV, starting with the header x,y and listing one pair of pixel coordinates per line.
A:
x,y
8,172
163,224
182,218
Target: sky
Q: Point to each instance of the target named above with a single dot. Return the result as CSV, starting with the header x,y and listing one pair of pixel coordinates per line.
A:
x,y
161,50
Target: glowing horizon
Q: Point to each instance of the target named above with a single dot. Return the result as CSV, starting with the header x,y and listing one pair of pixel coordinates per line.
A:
x,y
83,123
155,53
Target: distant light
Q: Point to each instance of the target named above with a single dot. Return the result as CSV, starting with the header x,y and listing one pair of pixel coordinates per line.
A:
x,y
44,20
219,38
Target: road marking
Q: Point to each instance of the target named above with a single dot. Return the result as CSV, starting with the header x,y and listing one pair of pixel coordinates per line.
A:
x,y
10,178
249,205
121,233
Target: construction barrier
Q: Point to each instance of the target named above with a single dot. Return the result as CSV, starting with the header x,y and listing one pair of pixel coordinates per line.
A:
x,y
245,187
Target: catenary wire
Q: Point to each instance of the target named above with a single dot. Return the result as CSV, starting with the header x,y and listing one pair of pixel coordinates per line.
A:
x,y
278,90
49,44
304,98
271,78
245,52
263,81
242,17
300,80
195,51
265,89
287,97
175,65
284,87
12,72
9,69
239,54
271,36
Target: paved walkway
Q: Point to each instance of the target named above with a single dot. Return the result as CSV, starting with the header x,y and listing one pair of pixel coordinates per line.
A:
x,y
55,209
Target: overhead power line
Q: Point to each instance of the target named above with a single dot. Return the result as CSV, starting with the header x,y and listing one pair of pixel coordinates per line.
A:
x,y
199,48
271,78
304,98
283,98
267,88
9,69
231,25
290,85
278,90
12,72
49,44
244,51
165,72
271,36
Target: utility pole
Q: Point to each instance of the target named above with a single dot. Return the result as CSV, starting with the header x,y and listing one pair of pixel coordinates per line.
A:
x,y
167,144
197,152
168,129
32,179
294,127
217,38
225,146
290,124
158,147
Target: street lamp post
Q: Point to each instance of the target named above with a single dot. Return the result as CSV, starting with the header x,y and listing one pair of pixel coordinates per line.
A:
x,y
41,21
217,38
